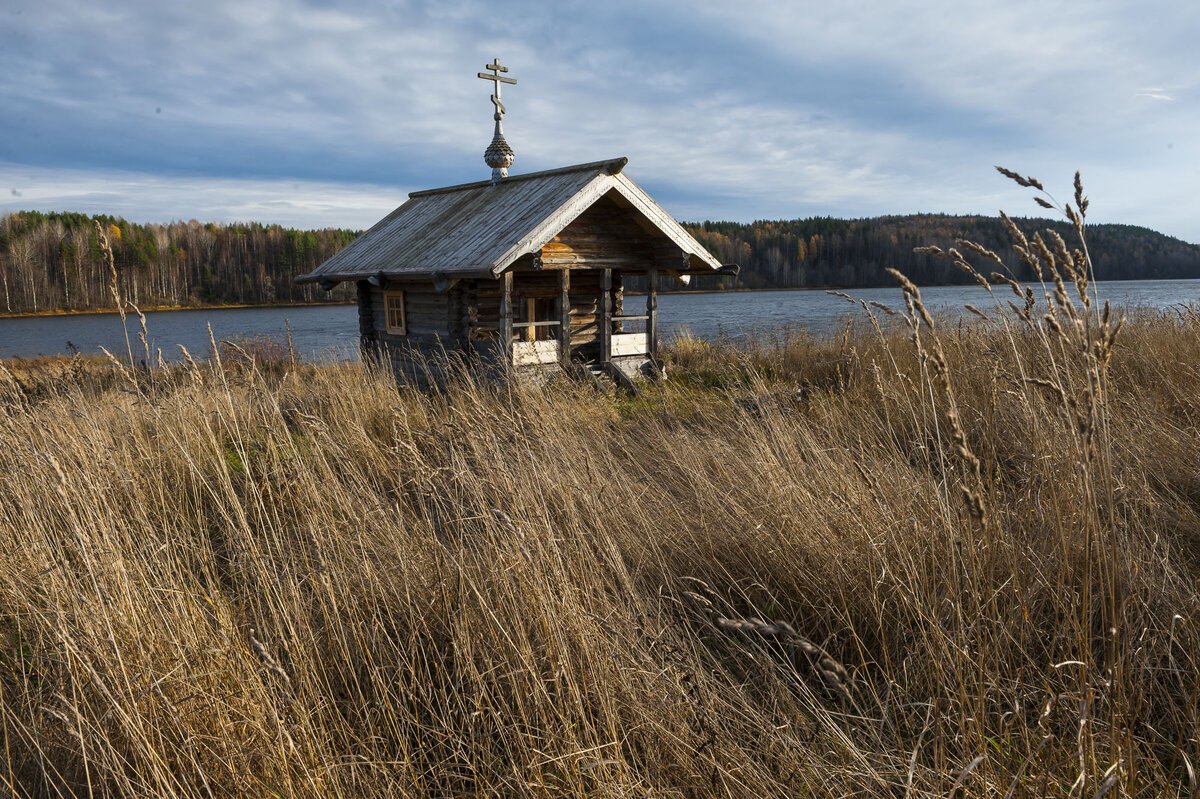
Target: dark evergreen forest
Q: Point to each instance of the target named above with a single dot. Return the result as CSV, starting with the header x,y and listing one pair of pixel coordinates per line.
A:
x,y
844,253
52,261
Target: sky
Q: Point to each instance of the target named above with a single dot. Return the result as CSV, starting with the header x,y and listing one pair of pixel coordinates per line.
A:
x,y
326,113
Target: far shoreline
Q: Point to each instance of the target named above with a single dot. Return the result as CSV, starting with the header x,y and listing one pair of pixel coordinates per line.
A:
x,y
249,306
769,289
162,308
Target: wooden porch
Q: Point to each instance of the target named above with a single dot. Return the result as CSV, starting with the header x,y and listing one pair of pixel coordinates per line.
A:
x,y
571,336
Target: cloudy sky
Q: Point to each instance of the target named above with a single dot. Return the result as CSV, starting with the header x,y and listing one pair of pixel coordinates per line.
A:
x,y
327,112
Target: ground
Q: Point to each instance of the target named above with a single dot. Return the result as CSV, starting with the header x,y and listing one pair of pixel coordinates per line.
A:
x,y
897,559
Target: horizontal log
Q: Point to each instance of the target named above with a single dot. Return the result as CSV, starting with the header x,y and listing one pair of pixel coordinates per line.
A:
x,y
596,260
601,231
415,336
597,244
596,256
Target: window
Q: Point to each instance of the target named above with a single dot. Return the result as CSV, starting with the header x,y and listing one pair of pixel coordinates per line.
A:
x,y
393,311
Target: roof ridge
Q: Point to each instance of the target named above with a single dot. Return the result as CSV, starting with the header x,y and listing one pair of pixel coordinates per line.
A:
x,y
612,166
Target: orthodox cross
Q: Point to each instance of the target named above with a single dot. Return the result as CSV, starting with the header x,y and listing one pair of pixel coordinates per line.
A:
x,y
496,78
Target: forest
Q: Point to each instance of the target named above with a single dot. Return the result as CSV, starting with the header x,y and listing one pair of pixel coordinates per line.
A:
x,y
52,261
845,253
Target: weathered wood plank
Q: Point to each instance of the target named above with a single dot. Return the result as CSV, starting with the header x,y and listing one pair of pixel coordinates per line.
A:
x,y
622,379
366,313
596,243
527,353
652,314
627,344
564,316
506,328
605,315
630,261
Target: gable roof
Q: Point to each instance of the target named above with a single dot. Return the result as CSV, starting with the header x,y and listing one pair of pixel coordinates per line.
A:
x,y
484,227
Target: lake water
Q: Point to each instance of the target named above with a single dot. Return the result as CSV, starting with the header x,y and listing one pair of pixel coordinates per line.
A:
x,y
332,331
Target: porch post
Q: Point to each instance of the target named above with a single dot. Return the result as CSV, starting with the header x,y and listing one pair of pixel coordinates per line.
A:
x,y
605,330
652,314
506,319
564,315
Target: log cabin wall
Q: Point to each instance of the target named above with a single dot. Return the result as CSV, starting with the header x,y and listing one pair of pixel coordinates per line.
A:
x,y
426,314
484,309
585,313
430,330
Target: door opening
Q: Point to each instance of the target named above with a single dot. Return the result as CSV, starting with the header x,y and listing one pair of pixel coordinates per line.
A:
x,y
539,309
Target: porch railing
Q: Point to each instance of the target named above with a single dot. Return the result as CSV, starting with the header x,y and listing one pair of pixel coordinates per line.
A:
x,y
629,344
529,353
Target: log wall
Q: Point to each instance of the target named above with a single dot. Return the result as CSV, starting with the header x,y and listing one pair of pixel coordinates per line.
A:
x,y
420,357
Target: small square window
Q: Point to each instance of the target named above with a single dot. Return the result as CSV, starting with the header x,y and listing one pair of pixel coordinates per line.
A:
x,y
393,308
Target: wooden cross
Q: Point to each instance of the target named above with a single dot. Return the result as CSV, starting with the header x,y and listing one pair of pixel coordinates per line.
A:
x,y
495,77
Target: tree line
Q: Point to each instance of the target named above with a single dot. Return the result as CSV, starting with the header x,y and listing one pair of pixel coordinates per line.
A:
x,y
828,252
53,261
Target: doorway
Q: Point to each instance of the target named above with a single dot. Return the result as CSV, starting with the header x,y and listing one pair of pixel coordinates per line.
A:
x,y
536,312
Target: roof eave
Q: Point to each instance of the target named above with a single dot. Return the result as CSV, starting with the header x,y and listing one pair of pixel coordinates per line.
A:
x,y
433,274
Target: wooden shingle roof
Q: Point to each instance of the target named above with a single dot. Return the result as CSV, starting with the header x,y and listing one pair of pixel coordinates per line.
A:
x,y
482,228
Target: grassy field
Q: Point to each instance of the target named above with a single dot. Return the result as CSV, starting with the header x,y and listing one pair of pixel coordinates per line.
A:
x,y
902,560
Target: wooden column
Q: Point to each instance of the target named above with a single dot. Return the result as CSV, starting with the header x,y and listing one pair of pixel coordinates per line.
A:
x,y
605,323
652,314
366,312
368,337
618,302
506,319
470,311
456,317
564,315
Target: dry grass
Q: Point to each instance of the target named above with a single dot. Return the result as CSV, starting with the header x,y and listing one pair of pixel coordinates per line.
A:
x,y
957,560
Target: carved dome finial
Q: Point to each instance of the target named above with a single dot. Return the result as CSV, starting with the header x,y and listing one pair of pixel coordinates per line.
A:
x,y
499,156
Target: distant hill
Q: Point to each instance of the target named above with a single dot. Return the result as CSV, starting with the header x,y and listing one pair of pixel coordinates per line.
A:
x,y
52,261
823,251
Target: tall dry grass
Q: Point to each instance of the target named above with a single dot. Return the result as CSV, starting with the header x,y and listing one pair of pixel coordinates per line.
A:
x,y
906,560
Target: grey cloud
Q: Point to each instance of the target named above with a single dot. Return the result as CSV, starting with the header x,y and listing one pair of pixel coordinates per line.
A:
x,y
754,110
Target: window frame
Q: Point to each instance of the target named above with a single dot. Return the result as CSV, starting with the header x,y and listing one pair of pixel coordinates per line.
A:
x,y
388,297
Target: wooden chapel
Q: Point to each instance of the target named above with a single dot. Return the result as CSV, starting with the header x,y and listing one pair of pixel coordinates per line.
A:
x,y
523,272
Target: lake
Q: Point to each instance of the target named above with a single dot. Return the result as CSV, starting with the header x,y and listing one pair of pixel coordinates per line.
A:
x,y
324,332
